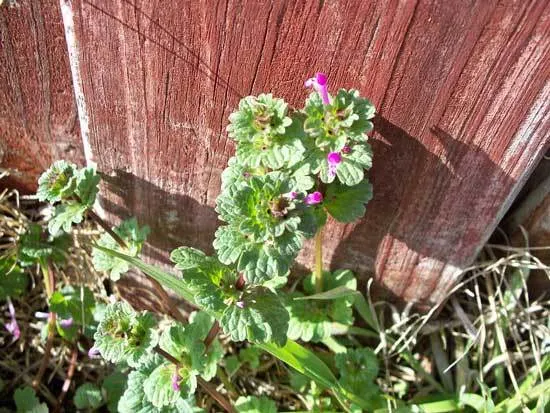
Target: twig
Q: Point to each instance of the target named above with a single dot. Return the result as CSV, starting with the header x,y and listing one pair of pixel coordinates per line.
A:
x,y
68,379
107,228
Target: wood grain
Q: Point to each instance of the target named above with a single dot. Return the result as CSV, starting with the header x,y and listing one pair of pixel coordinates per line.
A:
x,y
461,88
38,117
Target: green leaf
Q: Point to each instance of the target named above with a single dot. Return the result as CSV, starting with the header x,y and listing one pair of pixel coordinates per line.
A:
x,y
58,182
259,316
125,335
307,363
65,215
252,404
135,400
347,204
88,396
35,245
258,117
27,402
292,353
13,281
75,304
133,236
114,385
311,318
158,385
87,185
358,368
186,344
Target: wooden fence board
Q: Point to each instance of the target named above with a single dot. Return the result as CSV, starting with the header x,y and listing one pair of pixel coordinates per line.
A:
x,y
38,117
461,89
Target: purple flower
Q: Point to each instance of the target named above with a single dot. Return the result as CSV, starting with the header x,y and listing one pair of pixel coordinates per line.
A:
x,y
319,83
346,149
314,198
333,158
93,352
12,326
41,314
240,304
291,195
175,381
66,323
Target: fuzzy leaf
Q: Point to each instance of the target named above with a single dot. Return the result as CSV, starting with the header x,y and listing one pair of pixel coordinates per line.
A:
x,y
35,245
133,235
358,369
346,204
260,317
76,304
134,399
58,182
114,385
125,335
261,116
27,402
13,281
253,404
158,385
211,281
87,185
311,320
88,396
65,215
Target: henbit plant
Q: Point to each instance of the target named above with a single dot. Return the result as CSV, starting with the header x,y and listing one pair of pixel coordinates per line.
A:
x,y
291,170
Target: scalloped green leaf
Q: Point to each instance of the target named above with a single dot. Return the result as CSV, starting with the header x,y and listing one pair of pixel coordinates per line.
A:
x,y
58,182
35,245
87,185
88,397
124,335
259,316
358,368
158,385
258,116
133,235
65,215
347,204
27,402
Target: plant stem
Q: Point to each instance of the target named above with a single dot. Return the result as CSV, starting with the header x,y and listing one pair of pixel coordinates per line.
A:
x,y
319,261
220,399
211,336
68,379
49,283
98,220
47,350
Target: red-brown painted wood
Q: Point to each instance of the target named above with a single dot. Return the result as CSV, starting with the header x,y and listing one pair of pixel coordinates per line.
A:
x,y
460,87
38,117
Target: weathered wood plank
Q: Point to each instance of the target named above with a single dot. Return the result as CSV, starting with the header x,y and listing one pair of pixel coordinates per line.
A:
x,y
460,86
38,119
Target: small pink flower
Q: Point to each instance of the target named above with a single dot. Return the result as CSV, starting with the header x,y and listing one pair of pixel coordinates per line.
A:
x,y
12,326
333,158
66,323
291,195
175,382
319,83
346,149
240,304
314,198
93,352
